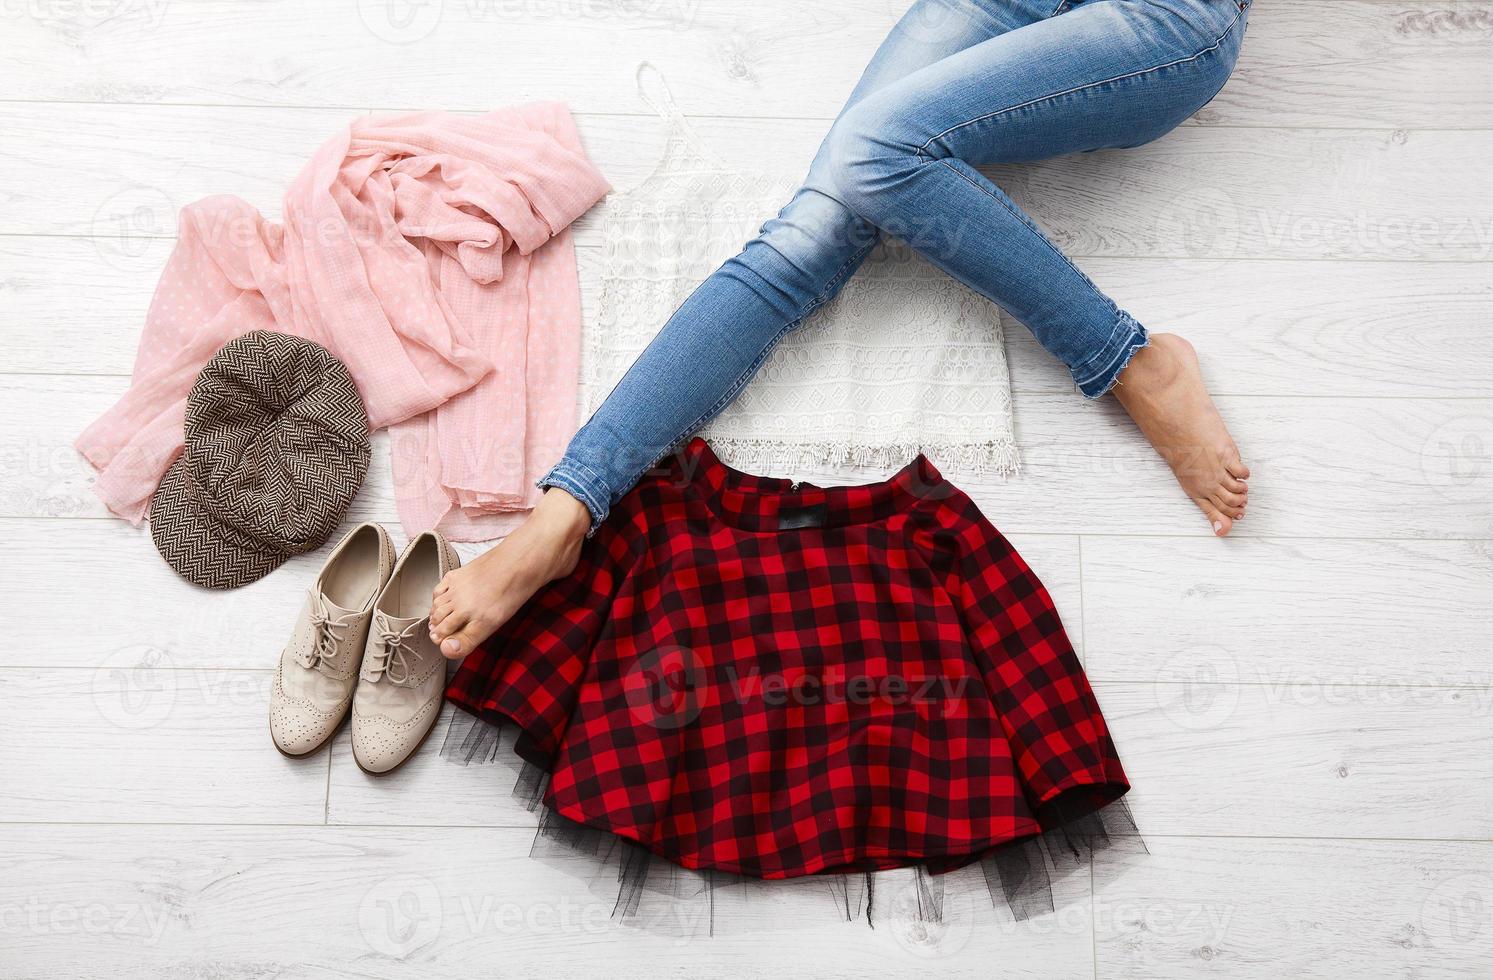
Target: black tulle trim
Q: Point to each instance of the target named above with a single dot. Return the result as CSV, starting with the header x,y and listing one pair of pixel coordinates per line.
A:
x,y
651,891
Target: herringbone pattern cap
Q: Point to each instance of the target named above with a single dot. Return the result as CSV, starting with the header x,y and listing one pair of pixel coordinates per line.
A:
x,y
276,449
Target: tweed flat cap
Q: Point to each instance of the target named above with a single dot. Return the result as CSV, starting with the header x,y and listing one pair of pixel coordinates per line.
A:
x,y
276,449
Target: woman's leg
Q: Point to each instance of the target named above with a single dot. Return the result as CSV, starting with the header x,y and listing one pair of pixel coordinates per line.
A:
x,y
797,263
711,346
1106,73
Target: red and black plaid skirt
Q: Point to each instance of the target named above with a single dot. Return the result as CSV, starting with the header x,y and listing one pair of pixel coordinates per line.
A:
x,y
776,679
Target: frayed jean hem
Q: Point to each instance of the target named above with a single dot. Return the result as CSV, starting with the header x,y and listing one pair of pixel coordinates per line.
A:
x,y
1129,336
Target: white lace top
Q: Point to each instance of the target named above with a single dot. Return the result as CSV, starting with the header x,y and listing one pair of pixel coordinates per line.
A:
x,y
905,359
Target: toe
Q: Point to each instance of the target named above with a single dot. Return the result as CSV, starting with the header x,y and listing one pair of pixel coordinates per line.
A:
x,y
1227,511
1237,469
453,621
1233,484
1227,500
465,640
1220,521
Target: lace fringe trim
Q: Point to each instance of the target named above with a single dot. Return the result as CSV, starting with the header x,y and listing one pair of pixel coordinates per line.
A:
x,y
998,457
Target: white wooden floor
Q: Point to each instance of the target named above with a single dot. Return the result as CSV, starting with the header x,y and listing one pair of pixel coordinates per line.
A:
x,y
1306,709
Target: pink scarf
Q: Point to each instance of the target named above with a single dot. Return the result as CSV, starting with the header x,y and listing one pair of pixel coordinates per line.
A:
x,y
432,254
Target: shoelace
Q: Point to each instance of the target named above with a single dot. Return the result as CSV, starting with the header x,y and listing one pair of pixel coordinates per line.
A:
x,y
328,629
394,650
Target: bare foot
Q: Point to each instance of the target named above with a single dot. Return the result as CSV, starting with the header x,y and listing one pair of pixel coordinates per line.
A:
x,y
1162,389
474,600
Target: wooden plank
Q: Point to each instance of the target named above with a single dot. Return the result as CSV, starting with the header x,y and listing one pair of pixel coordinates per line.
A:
x,y
1279,613
135,601
1349,63
1304,756
395,902
1294,908
1365,329
1085,467
1219,195
243,628
1265,328
140,739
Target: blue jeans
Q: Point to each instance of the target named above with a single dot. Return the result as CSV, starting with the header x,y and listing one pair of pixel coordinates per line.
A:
x,y
957,84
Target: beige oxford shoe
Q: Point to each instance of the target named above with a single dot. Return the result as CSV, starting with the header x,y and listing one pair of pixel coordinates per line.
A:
x,y
403,678
313,686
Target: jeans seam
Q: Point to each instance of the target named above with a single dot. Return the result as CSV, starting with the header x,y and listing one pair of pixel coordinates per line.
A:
x,y
1218,41
1024,219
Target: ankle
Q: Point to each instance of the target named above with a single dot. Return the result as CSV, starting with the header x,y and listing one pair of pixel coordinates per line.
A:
x,y
562,515
1152,367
